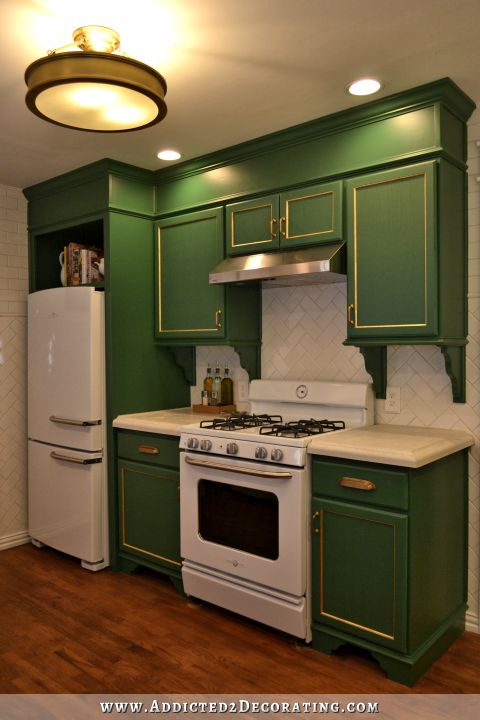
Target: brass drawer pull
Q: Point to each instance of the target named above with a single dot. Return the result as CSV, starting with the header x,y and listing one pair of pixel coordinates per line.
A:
x,y
148,450
357,483
218,319
283,227
273,228
351,320
315,528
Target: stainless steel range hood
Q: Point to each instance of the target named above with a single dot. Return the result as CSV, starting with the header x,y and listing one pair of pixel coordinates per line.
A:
x,y
305,266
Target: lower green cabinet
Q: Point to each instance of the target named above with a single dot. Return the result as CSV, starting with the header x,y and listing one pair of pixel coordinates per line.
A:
x,y
359,543
149,501
389,560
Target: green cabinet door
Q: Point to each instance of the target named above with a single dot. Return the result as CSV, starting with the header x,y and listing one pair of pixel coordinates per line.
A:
x,y
149,505
305,216
252,226
188,247
359,557
392,253
311,215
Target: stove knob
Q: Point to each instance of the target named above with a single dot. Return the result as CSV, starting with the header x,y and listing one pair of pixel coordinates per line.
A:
x,y
276,455
261,453
192,443
206,445
232,448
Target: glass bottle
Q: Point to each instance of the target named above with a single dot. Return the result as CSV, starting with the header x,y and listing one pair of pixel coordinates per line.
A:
x,y
208,384
227,389
217,387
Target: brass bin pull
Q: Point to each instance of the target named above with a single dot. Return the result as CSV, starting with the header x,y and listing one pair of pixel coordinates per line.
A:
x,y
357,483
351,320
283,227
148,450
273,229
315,527
218,319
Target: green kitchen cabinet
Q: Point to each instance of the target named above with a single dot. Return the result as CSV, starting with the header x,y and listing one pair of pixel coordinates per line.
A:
x,y
304,216
188,310
406,259
389,559
149,501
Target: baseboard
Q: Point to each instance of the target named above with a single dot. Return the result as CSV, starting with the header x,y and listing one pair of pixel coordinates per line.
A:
x,y
472,622
9,541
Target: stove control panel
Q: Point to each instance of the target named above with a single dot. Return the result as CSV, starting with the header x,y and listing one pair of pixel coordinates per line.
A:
x,y
243,449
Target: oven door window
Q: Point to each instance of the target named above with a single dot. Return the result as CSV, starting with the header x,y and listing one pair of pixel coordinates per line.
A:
x,y
239,517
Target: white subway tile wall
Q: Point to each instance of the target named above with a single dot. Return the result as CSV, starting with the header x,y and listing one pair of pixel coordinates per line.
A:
x,y
13,367
303,332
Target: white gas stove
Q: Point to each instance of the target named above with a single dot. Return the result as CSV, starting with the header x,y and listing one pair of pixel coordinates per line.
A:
x,y
245,498
285,415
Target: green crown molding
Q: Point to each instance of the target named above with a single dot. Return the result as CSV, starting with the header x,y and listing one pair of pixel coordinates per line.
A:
x,y
443,91
101,169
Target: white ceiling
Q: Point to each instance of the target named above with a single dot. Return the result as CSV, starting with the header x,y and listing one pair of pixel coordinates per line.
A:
x,y
235,69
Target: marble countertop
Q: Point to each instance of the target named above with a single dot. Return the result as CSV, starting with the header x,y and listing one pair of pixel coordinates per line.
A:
x,y
403,445
163,422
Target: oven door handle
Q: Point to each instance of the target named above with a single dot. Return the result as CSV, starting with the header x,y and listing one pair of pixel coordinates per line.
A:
x,y
275,474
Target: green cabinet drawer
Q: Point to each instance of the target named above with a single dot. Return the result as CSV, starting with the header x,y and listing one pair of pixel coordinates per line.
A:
x,y
149,448
357,482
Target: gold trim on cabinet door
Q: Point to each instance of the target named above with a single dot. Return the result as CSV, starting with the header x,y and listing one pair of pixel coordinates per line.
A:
x,y
159,288
124,542
383,182
233,244
307,197
322,545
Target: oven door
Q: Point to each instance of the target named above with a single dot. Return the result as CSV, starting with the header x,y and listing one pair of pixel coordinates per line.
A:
x,y
245,519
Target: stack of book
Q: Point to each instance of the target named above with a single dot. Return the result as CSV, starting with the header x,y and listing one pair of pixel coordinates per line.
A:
x,y
81,263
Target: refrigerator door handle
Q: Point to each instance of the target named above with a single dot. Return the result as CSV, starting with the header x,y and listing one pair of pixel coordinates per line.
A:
x,y
77,460
71,421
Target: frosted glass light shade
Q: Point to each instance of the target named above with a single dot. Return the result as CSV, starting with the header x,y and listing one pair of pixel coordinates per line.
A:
x,y
95,91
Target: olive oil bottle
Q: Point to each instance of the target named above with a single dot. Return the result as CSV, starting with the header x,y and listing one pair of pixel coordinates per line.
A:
x,y
227,389
208,384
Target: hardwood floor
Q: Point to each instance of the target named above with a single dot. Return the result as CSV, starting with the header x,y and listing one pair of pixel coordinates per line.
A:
x,y
66,630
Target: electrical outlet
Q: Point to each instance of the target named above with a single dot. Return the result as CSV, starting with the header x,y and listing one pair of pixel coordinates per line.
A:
x,y
392,400
242,388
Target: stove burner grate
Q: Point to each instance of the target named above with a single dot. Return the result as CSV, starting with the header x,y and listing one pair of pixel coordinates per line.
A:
x,y
241,421
302,428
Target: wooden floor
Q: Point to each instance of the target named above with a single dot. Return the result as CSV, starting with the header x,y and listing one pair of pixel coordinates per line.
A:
x,y
66,630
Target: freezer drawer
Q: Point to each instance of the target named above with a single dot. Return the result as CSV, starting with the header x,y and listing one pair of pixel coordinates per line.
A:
x,y
66,500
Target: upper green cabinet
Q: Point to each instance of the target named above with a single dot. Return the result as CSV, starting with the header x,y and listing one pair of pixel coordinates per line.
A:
x,y
407,265
305,216
188,310
392,268
187,248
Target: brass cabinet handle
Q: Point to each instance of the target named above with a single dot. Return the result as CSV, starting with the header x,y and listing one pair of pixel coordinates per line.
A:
x,y
351,320
357,483
218,319
283,227
273,228
315,528
148,450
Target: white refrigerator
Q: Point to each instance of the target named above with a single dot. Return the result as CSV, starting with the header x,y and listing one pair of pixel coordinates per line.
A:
x,y
67,479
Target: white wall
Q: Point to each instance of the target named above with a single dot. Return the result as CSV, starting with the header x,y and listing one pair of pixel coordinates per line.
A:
x,y
303,331
13,400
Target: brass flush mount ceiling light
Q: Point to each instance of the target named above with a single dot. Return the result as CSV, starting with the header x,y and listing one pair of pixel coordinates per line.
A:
x,y
95,89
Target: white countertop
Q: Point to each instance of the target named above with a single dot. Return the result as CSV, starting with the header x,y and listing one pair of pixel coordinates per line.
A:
x,y
163,422
403,445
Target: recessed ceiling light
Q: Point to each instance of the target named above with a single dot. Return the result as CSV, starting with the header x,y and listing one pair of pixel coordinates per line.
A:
x,y
365,86
169,155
